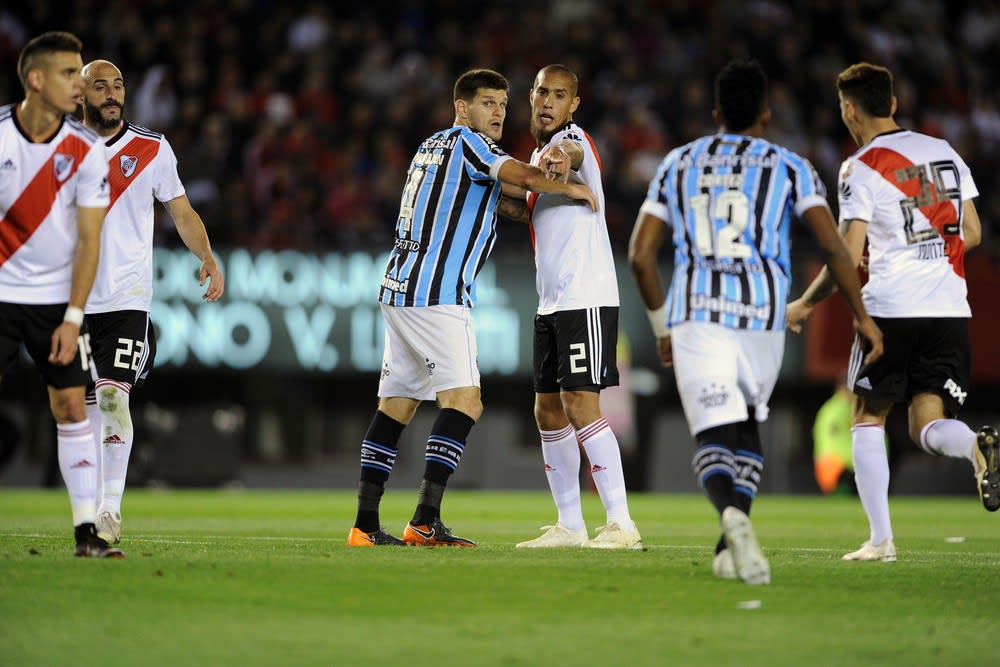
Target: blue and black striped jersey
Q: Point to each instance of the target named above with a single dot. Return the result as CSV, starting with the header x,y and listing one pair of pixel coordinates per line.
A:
x,y
447,221
730,200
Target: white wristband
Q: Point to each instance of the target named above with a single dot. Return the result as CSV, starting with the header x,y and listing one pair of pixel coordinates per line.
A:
x,y
658,320
74,315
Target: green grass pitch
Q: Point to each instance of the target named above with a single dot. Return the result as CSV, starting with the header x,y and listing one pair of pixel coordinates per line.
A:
x,y
263,578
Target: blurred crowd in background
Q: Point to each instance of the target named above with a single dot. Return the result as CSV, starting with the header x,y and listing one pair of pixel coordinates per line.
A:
x,y
294,122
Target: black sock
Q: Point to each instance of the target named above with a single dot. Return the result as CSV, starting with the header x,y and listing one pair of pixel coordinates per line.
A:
x,y
445,444
378,455
444,451
369,496
429,503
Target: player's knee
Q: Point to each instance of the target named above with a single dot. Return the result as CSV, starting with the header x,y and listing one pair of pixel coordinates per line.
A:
x,y
549,413
466,400
113,400
581,407
67,408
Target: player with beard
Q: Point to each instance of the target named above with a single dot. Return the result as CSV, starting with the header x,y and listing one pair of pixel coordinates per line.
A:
x,y
576,326
53,192
143,170
444,234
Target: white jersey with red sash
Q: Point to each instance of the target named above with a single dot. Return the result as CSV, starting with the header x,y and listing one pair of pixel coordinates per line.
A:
x,y
41,186
910,189
142,170
574,265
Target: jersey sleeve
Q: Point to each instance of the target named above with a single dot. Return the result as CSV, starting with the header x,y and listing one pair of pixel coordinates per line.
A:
x,y
656,202
855,196
808,190
92,190
969,189
483,156
166,184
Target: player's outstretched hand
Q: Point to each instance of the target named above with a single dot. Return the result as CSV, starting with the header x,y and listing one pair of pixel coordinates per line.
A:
x,y
797,312
583,193
64,344
873,335
557,164
217,285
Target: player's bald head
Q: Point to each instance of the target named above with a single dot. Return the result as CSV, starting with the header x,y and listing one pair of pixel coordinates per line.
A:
x,y
100,69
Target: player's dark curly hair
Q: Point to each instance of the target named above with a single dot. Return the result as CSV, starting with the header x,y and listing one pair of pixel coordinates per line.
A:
x,y
740,93
869,87
44,45
473,80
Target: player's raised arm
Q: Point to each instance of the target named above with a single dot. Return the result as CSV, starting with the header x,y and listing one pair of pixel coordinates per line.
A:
x,y
531,178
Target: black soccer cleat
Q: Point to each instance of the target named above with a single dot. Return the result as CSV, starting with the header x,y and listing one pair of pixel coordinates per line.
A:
x,y
988,467
433,534
378,538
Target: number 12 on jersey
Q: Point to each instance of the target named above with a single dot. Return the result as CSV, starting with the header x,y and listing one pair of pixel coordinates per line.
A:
x,y
733,208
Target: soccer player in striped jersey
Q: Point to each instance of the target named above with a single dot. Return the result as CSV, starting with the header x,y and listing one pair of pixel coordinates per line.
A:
x,y
910,196
444,233
730,198
576,327
53,193
142,170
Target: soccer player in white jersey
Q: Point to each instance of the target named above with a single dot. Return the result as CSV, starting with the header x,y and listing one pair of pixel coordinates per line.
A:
x,y
910,196
576,327
53,194
731,198
444,234
142,171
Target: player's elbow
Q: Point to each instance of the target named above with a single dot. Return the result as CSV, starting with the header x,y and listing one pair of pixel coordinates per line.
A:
x,y
641,258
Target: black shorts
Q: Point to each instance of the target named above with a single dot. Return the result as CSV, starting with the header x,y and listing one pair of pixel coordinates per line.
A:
x,y
575,350
33,325
923,355
123,345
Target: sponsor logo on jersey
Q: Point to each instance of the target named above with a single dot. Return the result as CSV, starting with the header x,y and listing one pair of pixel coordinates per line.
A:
x,y
8,165
956,392
864,383
127,164
62,165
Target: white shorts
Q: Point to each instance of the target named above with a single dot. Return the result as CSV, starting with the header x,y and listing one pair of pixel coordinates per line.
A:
x,y
427,350
720,371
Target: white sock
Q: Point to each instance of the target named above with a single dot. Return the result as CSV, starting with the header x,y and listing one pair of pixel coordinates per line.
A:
x,y
948,437
94,417
871,473
561,454
116,442
606,468
77,462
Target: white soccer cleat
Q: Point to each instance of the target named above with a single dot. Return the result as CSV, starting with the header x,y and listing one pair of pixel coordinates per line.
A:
x,y
749,562
884,552
556,537
723,566
614,536
109,526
